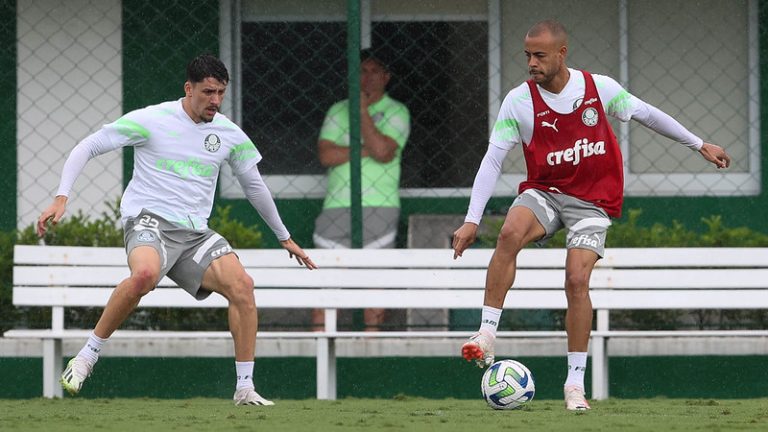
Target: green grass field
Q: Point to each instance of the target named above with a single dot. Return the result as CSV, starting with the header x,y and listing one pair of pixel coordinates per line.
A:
x,y
399,414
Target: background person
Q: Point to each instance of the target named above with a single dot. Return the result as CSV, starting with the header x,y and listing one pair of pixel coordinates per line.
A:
x,y
384,130
179,147
575,182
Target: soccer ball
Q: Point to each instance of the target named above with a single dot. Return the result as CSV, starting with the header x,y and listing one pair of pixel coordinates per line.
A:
x,y
507,384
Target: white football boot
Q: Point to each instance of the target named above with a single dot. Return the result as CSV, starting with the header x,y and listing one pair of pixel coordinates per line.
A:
x,y
248,396
73,377
574,398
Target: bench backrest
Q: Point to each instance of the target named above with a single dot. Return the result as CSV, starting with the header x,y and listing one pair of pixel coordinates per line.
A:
x,y
627,278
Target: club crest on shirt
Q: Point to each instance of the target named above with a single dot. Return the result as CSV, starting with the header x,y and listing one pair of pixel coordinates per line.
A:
x,y
376,117
589,116
212,143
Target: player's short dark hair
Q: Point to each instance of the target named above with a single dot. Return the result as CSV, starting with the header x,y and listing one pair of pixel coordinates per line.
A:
x,y
376,56
554,27
207,66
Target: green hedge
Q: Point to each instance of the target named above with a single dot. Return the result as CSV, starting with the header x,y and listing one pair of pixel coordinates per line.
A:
x,y
81,230
630,232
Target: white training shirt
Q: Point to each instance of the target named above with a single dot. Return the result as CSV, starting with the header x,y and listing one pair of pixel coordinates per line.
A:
x,y
176,164
514,125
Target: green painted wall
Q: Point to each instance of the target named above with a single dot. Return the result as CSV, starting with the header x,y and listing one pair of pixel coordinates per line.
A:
x,y
710,377
299,215
9,182
159,39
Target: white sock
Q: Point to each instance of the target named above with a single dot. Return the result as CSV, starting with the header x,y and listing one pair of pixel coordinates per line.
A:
x,y
489,321
244,375
92,348
577,365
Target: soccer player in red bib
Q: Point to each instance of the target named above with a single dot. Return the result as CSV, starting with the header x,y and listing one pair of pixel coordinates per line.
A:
x,y
575,182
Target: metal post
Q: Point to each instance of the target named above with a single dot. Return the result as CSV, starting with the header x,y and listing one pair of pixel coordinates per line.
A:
x,y
353,77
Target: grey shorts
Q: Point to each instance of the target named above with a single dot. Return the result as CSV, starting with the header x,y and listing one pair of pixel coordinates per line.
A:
x,y
333,228
185,254
587,224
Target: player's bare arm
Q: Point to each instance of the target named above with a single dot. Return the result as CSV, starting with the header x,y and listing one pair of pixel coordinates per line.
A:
x,y
463,238
716,155
294,250
53,213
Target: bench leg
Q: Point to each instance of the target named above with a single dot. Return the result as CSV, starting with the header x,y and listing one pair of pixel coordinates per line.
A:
x,y
52,367
326,359
599,368
326,368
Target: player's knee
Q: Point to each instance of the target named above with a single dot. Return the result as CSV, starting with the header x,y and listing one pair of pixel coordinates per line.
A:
x,y
241,290
577,285
141,282
510,239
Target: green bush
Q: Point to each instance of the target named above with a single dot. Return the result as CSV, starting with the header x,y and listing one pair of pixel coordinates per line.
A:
x,y
8,314
629,232
80,230
239,235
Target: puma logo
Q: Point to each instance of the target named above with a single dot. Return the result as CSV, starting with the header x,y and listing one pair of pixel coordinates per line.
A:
x,y
552,125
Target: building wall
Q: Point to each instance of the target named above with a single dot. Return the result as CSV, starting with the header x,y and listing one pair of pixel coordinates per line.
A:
x,y
150,40
69,76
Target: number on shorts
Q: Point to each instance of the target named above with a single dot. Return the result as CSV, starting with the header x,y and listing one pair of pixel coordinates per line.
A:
x,y
149,221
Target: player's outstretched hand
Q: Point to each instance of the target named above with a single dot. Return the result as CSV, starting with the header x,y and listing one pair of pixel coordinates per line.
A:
x,y
463,238
53,213
295,251
716,155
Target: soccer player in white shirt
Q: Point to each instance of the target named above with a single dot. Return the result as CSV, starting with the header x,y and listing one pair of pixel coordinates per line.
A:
x,y
179,147
575,182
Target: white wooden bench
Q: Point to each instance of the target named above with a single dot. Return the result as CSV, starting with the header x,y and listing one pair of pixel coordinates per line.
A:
x,y
665,278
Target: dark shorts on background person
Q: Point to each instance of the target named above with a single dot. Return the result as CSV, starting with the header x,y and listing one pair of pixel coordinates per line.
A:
x,y
333,228
185,254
